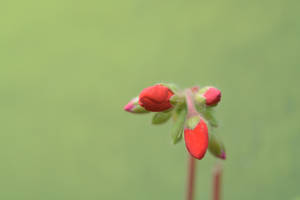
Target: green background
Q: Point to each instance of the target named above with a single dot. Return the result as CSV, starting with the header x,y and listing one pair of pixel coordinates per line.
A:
x,y
67,68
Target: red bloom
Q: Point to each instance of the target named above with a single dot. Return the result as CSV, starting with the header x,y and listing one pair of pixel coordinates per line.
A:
x,y
212,96
196,140
156,98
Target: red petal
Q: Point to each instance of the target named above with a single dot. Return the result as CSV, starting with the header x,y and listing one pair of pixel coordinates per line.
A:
x,y
156,98
196,140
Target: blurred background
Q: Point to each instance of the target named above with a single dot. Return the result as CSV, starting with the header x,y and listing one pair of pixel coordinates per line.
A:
x,y
67,68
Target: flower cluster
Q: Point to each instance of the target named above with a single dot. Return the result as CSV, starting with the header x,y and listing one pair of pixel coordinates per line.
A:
x,y
192,113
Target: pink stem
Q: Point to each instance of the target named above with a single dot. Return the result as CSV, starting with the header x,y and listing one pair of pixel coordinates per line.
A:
x,y
217,178
191,178
190,103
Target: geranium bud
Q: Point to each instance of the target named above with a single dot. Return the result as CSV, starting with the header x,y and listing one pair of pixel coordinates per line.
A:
x,y
208,95
216,147
196,136
156,98
134,107
213,96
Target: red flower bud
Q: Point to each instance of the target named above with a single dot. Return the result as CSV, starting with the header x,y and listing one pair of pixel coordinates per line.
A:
x,y
212,96
156,98
196,139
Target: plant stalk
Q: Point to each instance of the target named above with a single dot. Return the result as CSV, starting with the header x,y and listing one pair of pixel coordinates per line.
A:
x,y
191,178
217,179
192,111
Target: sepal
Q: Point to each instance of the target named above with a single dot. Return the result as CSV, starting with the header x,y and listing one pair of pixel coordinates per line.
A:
x,y
173,87
192,122
161,117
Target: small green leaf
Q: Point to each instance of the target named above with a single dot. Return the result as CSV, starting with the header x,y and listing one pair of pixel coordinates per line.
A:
x,y
208,115
161,117
178,126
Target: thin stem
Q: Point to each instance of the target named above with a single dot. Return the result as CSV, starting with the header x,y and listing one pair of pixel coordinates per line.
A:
x,y
191,178
190,103
217,179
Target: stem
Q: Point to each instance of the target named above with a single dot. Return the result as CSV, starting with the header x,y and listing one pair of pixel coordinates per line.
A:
x,y
191,178
190,103
217,178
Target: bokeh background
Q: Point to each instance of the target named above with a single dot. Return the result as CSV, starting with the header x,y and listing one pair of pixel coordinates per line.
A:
x,y
67,68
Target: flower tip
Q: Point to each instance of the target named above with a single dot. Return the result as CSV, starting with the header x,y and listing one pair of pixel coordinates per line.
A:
x,y
128,107
131,104
134,107
223,155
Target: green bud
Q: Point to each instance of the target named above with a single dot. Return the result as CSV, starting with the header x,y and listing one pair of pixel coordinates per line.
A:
x,y
161,117
216,147
178,126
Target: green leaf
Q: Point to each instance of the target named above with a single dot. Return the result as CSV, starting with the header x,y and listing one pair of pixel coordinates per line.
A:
x,y
208,115
178,126
161,117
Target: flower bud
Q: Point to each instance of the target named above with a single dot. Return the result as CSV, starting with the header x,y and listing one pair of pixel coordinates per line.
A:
x,y
134,107
156,98
208,95
196,136
216,147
